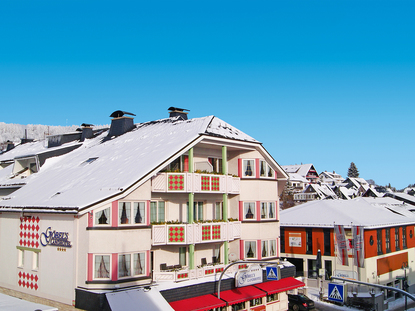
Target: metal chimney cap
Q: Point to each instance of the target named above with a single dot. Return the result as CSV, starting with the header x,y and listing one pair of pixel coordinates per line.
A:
x,y
177,109
86,125
119,114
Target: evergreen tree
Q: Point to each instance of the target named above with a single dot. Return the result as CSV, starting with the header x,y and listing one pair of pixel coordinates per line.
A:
x,y
353,171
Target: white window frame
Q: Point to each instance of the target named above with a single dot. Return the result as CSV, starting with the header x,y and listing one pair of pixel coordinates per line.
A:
x,y
131,262
35,261
254,249
94,272
157,202
245,168
130,211
267,168
20,258
267,206
249,206
269,244
218,205
96,217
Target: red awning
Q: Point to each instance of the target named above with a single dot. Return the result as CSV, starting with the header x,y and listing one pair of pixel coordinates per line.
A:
x,y
198,303
282,285
240,294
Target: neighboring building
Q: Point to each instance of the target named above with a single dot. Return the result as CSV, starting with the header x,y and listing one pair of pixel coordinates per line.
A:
x,y
161,206
330,178
388,228
400,196
306,171
315,192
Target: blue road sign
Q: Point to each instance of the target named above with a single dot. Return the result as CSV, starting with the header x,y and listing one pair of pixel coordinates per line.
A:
x,y
336,292
272,273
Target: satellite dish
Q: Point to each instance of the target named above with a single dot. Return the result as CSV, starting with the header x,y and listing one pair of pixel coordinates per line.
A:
x,y
232,256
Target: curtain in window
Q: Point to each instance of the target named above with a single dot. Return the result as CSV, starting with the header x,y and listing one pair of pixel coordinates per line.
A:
x,y
271,210
139,212
124,211
249,210
262,170
102,264
218,208
270,172
102,217
264,249
272,247
153,211
250,249
263,210
217,253
248,167
124,264
139,263
161,211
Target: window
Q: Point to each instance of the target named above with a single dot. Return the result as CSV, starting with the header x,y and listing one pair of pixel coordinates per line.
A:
x,y
216,254
238,306
128,268
328,268
267,210
327,242
404,237
248,168
102,217
309,240
197,211
272,297
312,268
216,164
182,256
157,211
126,215
20,258
388,240
249,211
379,241
218,210
282,239
35,261
265,170
255,302
250,249
102,267
268,248
397,248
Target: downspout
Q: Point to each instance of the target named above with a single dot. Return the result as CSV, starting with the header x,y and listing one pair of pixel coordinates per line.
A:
x,y
225,202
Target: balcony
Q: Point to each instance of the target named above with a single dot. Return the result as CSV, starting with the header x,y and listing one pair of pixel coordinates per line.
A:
x,y
184,273
195,182
179,234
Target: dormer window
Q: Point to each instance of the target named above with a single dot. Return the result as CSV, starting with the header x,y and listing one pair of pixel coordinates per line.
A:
x,y
25,166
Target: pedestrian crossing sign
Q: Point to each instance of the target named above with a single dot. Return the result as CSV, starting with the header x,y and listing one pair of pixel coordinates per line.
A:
x,y
336,292
272,273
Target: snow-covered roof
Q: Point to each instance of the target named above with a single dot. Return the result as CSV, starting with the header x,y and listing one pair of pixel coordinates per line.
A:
x,y
323,191
359,211
101,169
302,169
297,177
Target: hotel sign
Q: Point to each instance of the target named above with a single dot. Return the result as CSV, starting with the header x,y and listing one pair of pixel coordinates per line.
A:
x,y
55,238
249,277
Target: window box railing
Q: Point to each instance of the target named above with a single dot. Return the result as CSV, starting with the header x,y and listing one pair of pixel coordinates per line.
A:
x,y
206,232
195,182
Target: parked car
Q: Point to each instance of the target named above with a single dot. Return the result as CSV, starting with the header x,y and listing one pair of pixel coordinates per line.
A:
x,y
300,303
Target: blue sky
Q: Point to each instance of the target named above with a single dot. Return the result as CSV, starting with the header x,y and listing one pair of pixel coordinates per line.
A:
x,y
322,82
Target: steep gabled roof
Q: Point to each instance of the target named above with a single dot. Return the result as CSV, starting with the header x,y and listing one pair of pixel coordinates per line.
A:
x,y
101,169
302,169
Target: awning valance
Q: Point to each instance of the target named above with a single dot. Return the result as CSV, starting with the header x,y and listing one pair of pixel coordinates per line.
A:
x,y
282,285
199,303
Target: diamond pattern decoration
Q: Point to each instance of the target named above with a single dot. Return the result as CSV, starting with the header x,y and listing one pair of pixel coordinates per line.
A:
x,y
28,280
209,271
215,183
29,232
176,182
181,276
176,234
216,232
206,232
205,180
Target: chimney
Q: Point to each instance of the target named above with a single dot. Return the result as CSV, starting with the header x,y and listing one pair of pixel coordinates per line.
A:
x,y
178,112
86,131
120,123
